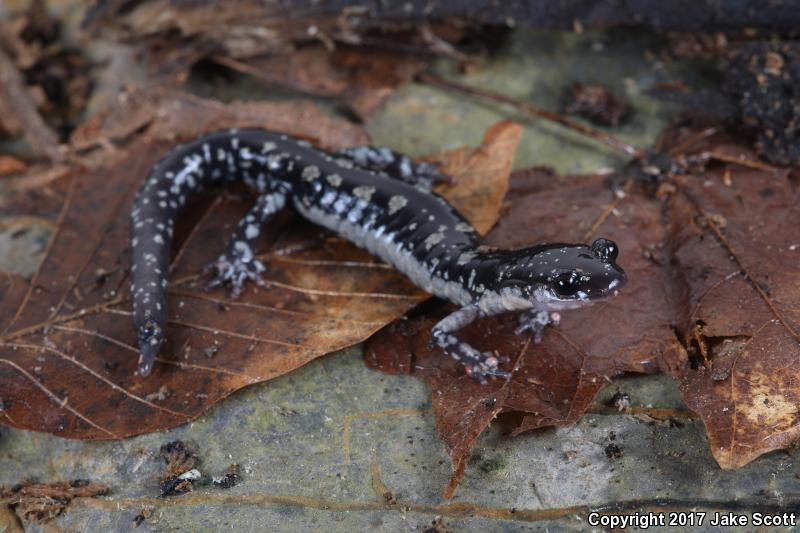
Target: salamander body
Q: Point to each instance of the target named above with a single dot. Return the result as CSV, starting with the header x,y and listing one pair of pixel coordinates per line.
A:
x,y
375,198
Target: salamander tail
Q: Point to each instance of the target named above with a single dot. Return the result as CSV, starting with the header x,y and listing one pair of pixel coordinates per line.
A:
x,y
151,338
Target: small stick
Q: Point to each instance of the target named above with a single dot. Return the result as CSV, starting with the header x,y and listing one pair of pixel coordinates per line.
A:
x,y
681,147
531,109
749,163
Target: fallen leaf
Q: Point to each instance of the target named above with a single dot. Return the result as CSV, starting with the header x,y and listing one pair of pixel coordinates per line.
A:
x,y
67,351
738,247
364,77
477,191
555,381
163,114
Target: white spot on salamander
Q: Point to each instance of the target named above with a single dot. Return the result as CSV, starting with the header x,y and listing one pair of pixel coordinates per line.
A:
x,y
433,239
310,173
466,257
364,192
334,179
405,167
463,226
244,251
251,231
274,161
396,203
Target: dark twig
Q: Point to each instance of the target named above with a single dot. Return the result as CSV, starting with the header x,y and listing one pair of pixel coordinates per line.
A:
x,y
610,140
749,163
17,102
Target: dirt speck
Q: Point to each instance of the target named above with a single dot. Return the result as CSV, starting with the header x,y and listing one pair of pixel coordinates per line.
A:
x,y
613,451
597,103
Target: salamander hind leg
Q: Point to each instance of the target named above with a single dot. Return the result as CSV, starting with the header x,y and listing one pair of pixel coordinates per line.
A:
x,y
478,365
393,164
239,263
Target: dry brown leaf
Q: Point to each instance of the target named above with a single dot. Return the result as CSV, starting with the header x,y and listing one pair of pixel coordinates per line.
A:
x,y
163,114
738,248
364,77
478,190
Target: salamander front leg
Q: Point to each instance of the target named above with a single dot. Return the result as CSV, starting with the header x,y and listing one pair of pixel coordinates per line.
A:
x,y
239,264
536,320
478,365
394,165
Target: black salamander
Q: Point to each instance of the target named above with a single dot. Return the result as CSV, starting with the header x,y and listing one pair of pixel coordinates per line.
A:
x,y
377,199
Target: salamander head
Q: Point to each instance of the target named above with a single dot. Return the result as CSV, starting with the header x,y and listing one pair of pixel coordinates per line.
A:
x,y
565,276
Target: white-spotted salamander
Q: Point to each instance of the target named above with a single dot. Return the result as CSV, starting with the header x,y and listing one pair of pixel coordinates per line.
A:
x,y
377,199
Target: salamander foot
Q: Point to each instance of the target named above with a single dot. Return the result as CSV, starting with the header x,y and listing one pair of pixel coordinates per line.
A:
x,y
536,322
478,365
235,273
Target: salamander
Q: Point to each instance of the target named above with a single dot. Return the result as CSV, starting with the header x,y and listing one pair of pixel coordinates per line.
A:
x,y
377,199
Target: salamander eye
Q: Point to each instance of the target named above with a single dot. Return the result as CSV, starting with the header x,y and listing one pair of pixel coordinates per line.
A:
x,y
566,283
606,250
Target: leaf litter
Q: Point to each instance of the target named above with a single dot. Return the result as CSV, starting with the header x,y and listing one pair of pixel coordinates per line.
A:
x,y
182,470
67,350
41,502
555,381
735,237
712,300
363,77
